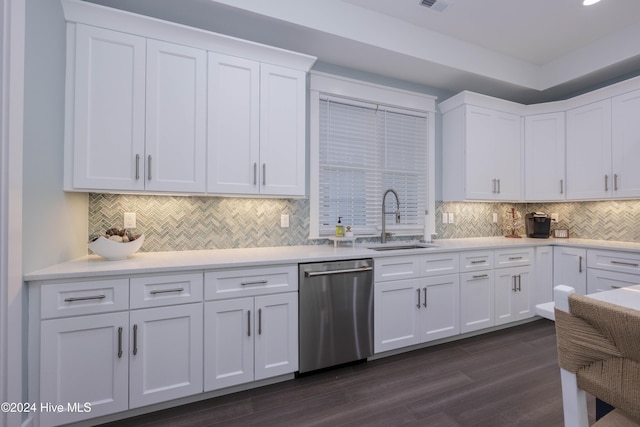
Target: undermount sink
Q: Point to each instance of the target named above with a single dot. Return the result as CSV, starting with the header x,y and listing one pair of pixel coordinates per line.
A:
x,y
397,247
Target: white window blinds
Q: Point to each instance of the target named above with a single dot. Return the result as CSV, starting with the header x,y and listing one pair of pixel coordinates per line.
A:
x,y
363,151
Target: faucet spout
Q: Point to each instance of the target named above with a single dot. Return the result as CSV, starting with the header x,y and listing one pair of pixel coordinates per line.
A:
x,y
383,236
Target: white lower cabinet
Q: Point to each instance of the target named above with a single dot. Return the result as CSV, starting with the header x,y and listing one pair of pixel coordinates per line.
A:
x,y
513,294
84,359
249,339
416,310
570,268
166,354
476,300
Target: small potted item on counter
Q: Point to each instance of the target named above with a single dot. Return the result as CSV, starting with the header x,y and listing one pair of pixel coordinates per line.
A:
x,y
348,232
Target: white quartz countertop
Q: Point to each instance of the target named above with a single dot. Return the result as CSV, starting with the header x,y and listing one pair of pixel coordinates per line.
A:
x,y
158,262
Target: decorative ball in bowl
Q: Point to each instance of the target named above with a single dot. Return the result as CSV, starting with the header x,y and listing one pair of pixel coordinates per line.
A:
x,y
113,250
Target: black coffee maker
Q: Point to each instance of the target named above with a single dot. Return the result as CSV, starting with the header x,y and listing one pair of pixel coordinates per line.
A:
x,y
538,224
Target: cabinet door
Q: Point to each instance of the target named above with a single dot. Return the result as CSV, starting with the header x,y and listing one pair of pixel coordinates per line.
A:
x,y
523,304
276,335
396,314
84,359
544,144
506,286
228,343
542,286
589,151
626,144
440,311
282,131
109,108
570,268
233,139
166,353
481,148
175,119
476,300
507,156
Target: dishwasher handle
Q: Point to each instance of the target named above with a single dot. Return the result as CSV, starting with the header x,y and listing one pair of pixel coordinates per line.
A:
x,y
330,272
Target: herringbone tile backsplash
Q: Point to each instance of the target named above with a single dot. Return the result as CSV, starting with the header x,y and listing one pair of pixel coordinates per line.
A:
x,y
190,223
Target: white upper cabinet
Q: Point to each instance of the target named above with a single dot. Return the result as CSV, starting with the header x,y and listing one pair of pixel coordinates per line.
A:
x,y
544,157
107,125
159,107
482,150
176,118
626,145
257,119
589,151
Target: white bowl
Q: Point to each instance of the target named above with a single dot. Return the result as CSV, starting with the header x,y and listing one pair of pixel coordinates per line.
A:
x,y
115,250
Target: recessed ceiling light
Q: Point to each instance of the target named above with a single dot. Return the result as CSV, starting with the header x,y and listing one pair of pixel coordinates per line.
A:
x,y
589,2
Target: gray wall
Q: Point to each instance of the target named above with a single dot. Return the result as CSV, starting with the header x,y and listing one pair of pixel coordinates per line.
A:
x,y
54,223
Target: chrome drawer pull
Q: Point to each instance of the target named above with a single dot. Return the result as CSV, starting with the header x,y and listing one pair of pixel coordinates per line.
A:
x,y
257,282
629,264
418,290
326,273
480,276
73,299
479,262
616,287
514,258
166,291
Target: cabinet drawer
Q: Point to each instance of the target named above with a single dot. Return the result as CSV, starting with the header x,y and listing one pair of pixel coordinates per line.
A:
x,y
603,280
234,283
85,297
625,262
169,289
438,264
513,257
476,261
395,268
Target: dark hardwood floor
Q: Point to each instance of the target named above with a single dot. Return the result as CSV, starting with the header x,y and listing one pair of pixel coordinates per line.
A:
x,y
505,378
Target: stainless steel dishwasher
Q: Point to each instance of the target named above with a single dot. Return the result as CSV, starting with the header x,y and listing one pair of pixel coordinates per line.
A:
x,y
336,313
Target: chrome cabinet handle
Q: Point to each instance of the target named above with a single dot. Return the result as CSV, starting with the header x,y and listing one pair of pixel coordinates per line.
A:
x,y
248,323
257,282
615,182
137,166
493,185
149,166
616,287
135,339
580,264
498,186
514,258
562,186
480,276
606,183
629,264
513,283
74,299
255,174
479,262
166,291
425,296
120,342
264,174
519,283
418,297
259,321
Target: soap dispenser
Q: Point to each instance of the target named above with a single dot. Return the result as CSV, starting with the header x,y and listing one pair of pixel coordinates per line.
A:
x,y
339,228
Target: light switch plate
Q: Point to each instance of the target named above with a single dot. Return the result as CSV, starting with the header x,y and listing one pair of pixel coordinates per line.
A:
x,y
451,218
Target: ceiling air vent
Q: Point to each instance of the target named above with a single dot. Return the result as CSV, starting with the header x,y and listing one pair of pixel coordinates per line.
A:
x,y
436,5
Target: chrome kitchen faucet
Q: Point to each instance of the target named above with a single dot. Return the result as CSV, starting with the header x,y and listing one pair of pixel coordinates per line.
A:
x,y
383,236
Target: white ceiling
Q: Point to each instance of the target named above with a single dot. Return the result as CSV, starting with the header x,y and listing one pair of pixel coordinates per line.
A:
x,y
526,51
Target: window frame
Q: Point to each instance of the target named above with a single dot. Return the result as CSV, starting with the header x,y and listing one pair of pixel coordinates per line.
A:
x,y
323,84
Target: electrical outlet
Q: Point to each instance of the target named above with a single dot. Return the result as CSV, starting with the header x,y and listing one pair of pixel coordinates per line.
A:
x,y
284,220
451,220
495,217
445,217
129,220
555,217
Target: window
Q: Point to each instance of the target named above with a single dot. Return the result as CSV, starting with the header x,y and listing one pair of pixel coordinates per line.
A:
x,y
359,150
